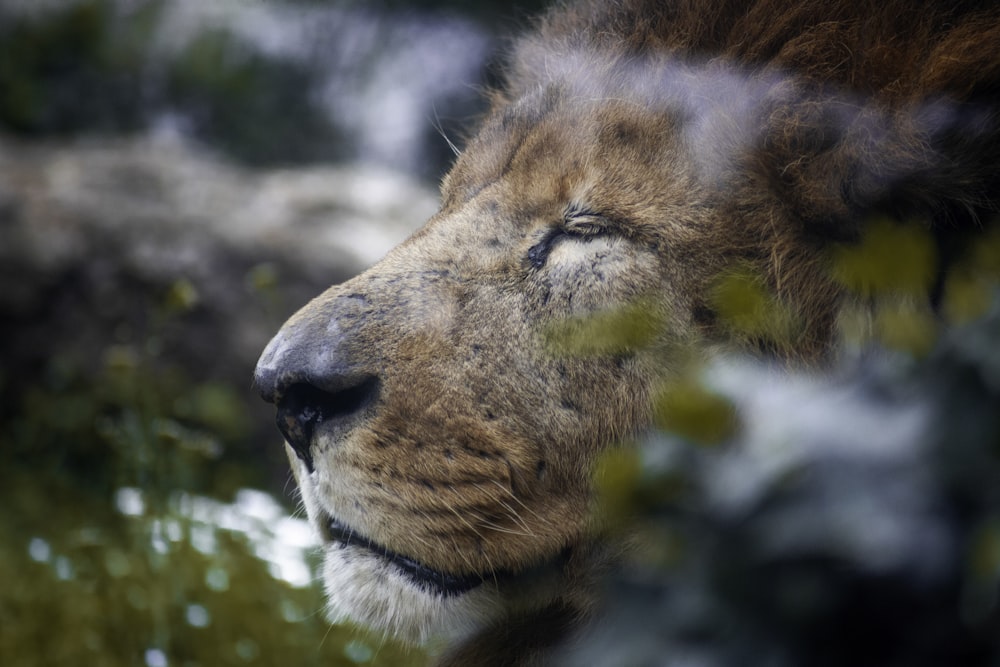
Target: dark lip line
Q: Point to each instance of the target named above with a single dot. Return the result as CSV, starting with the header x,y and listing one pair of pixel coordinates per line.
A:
x,y
443,583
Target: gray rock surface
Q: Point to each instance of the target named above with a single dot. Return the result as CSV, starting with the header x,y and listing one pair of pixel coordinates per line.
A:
x,y
160,249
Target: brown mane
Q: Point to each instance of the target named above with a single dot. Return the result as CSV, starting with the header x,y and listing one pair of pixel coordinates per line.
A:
x,y
896,50
888,109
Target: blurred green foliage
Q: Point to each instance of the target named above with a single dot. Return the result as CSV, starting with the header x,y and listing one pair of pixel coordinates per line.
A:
x,y
849,518
614,332
892,274
90,581
85,585
90,67
687,408
889,278
750,310
892,258
65,72
852,520
99,67
488,9
617,478
258,110
969,286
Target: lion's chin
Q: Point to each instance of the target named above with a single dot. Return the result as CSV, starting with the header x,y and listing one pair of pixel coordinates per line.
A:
x,y
371,589
434,581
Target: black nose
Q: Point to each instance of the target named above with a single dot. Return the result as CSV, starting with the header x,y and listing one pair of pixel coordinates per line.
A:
x,y
302,408
317,373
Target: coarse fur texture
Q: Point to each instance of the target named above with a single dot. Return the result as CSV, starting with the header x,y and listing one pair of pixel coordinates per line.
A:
x,y
636,152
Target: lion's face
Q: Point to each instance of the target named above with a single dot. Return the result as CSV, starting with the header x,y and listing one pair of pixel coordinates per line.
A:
x,y
442,441
440,427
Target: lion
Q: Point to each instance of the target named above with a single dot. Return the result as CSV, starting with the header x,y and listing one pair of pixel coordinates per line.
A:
x,y
636,151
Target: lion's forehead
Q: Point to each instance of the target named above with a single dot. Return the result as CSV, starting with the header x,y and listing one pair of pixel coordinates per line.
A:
x,y
574,149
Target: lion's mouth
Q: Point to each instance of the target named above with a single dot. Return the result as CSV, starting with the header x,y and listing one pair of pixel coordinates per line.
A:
x,y
440,582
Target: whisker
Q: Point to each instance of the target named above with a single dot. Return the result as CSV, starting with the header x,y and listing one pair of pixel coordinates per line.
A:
x,y
464,521
512,513
510,493
440,130
508,531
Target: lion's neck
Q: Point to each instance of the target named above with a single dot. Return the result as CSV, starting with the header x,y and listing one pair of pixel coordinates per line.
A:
x,y
518,640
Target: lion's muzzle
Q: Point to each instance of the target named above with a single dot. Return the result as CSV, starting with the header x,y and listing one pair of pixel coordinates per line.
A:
x,y
312,384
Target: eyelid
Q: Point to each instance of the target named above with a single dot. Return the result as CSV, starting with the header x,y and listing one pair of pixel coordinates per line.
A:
x,y
578,223
586,227
585,223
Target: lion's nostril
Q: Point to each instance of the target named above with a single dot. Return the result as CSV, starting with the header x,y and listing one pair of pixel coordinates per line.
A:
x,y
304,407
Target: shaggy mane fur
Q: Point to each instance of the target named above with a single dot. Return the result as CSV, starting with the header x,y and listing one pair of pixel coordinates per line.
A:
x,y
848,111
931,67
895,49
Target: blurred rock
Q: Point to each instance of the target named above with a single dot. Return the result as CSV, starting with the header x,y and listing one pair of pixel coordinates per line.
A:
x,y
186,261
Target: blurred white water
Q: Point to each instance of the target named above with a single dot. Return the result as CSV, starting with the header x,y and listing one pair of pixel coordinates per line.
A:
x,y
279,540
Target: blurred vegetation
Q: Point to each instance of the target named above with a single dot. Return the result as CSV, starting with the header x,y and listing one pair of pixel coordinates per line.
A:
x,y
855,536
84,586
615,332
748,310
893,270
690,410
65,72
90,68
92,581
822,519
94,67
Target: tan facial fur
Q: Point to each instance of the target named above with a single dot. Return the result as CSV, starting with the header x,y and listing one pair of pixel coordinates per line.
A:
x,y
633,156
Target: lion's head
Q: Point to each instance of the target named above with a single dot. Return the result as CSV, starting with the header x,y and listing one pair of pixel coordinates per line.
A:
x,y
443,410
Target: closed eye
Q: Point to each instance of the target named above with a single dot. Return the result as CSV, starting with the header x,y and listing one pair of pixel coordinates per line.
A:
x,y
578,224
586,226
582,221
